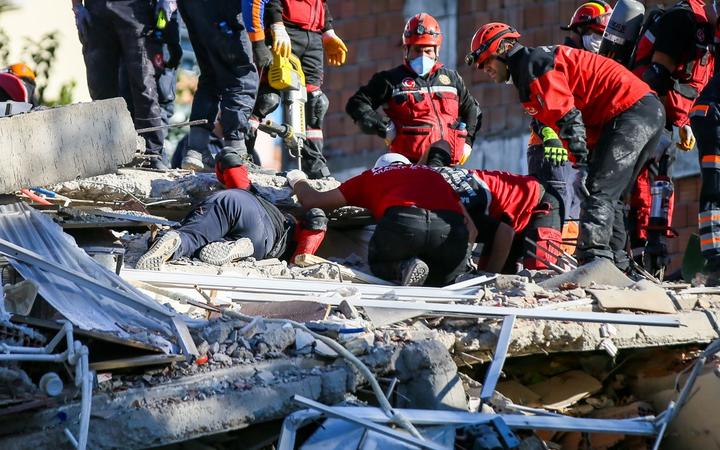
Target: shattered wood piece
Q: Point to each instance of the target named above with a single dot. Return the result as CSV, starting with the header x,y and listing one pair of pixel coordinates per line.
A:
x,y
518,393
566,389
306,260
297,310
642,296
381,317
598,271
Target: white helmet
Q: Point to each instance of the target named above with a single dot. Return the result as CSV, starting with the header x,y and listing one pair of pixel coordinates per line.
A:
x,y
388,159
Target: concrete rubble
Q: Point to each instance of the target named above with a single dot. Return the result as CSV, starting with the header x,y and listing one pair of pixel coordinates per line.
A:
x,y
258,361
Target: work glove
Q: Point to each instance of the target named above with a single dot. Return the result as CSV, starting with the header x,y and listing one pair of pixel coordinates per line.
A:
x,y
580,183
390,132
555,153
687,138
372,124
295,176
335,49
261,54
467,150
82,20
175,53
168,8
281,40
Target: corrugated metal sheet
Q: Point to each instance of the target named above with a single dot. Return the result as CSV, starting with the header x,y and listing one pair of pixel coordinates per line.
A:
x,y
86,309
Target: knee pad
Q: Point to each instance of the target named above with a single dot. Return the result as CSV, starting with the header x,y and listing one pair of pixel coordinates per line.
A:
x,y
316,108
266,103
315,219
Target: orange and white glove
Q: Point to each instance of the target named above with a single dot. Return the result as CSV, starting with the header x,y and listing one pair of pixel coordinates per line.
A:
x,y
687,138
335,49
281,40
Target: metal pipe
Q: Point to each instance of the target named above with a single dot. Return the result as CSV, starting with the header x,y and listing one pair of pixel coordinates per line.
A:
x,y
189,123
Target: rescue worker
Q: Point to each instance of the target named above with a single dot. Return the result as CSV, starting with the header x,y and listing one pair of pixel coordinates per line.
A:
x,y
422,232
112,31
228,80
15,88
610,120
506,209
424,101
304,29
674,57
27,76
237,223
547,157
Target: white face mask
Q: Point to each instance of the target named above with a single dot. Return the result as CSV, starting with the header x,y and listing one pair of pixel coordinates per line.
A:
x,y
591,42
422,65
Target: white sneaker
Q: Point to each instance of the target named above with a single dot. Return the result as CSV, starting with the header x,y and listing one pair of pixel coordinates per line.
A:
x,y
219,253
161,250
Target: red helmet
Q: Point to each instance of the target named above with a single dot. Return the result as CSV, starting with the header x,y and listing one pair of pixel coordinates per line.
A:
x,y
486,41
593,15
13,87
422,29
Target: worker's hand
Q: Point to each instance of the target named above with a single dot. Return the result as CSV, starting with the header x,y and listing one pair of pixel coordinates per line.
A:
x,y
295,176
261,54
281,40
82,20
335,49
390,133
372,124
467,150
580,183
167,6
555,153
687,138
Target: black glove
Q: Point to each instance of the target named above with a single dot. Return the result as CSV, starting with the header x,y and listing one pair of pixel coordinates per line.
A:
x,y
372,124
580,183
261,54
171,38
175,53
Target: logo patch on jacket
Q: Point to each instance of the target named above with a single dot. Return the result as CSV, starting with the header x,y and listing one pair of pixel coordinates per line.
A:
x,y
408,84
530,110
444,79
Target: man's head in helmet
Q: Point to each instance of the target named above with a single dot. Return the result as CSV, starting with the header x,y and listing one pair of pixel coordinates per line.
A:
x,y
587,25
489,48
421,42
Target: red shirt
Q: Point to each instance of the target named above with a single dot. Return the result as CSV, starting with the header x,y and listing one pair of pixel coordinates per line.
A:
x,y
400,185
513,197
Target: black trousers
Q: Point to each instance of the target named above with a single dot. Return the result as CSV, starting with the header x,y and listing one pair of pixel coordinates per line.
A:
x,y
439,238
706,127
228,216
119,33
228,77
625,144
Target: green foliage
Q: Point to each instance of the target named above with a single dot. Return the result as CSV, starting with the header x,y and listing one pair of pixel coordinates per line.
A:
x,y
42,53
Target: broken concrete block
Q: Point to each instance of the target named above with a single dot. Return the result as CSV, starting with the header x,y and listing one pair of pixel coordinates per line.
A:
x,y
348,310
64,143
20,297
429,378
566,389
600,271
279,338
641,296
222,358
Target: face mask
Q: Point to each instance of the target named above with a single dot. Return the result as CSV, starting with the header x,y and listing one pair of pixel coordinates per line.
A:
x,y
591,42
422,65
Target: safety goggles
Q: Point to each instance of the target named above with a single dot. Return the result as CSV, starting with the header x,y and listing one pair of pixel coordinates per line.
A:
x,y
420,30
471,57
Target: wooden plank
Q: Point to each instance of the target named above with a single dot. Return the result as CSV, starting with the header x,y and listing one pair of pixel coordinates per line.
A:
x,y
146,360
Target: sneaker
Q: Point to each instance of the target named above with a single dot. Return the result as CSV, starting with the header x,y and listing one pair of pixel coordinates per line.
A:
x,y
219,253
413,272
161,251
193,160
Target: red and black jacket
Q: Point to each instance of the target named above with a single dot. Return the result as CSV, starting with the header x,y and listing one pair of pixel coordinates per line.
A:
x,y
573,91
423,109
311,15
683,33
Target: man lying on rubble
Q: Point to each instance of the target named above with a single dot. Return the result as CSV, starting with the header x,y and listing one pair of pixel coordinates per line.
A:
x,y
506,209
609,118
424,100
237,223
423,230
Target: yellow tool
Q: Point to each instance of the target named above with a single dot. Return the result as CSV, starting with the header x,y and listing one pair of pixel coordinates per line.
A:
x,y
286,75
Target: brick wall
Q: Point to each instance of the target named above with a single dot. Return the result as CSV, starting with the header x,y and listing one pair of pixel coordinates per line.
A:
x,y
687,193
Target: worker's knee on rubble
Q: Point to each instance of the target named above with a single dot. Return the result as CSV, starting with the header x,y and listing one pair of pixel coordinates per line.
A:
x,y
544,238
439,154
315,219
316,108
199,138
266,103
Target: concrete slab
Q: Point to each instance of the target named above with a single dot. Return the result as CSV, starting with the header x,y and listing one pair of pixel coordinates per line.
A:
x,y
64,143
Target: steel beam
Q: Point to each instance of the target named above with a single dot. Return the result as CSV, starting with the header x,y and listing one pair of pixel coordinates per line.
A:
x,y
501,349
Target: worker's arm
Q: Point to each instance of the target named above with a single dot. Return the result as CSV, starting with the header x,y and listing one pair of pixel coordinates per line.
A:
x,y
310,197
469,110
501,244
328,25
362,105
